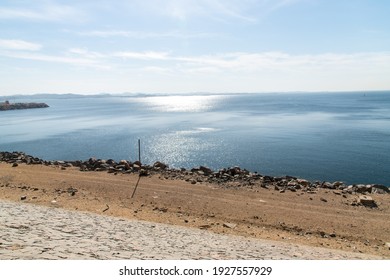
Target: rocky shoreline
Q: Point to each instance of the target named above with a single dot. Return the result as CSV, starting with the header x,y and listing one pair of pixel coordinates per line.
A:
x,y
232,177
5,106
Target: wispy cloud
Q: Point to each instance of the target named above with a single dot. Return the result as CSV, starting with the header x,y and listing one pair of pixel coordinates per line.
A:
x,y
19,45
144,34
237,63
53,58
148,55
248,11
284,62
187,9
46,12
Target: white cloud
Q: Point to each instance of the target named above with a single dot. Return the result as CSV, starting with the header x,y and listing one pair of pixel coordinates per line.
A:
x,y
76,61
237,71
247,11
19,45
251,62
47,12
148,55
145,35
187,9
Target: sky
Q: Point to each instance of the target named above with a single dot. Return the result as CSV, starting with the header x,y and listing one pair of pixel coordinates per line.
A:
x,y
185,46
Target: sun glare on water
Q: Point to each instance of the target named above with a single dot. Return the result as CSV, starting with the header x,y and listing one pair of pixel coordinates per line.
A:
x,y
181,103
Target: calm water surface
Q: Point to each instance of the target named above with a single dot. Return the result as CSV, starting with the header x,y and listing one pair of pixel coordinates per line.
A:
x,y
318,136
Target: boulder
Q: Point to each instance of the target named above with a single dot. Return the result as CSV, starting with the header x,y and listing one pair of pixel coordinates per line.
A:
x,y
338,184
304,183
205,170
136,167
380,189
362,188
160,165
367,201
328,185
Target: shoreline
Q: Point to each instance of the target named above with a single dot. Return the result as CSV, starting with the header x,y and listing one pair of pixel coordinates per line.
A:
x,y
233,177
355,219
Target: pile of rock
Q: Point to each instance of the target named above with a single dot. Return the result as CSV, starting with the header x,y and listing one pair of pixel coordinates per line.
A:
x,y
233,177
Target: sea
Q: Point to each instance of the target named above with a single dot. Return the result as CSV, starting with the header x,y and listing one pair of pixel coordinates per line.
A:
x,y
327,136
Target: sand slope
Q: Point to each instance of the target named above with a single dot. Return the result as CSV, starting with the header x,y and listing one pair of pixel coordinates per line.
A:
x,y
323,219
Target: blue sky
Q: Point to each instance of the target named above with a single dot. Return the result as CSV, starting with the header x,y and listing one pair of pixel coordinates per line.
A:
x,y
180,46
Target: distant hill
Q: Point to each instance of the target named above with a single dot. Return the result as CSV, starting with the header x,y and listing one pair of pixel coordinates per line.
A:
x,y
4,106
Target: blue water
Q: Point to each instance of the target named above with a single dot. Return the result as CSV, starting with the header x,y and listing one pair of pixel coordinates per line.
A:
x,y
317,136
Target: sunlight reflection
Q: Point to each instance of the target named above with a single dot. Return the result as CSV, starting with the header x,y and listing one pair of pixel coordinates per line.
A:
x,y
182,103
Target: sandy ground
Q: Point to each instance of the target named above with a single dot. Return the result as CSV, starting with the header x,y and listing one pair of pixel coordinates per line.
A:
x,y
324,219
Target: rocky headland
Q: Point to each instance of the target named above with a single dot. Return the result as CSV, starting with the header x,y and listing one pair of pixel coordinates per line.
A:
x,y
5,106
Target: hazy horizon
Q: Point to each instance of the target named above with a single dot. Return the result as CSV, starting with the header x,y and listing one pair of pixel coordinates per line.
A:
x,y
130,94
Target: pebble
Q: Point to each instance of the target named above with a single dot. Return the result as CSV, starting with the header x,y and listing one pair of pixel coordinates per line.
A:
x,y
35,232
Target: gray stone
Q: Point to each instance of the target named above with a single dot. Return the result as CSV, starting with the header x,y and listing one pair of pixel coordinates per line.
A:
x,y
367,201
160,165
380,189
229,225
362,188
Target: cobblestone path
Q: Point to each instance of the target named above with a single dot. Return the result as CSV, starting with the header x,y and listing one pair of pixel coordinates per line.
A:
x,y
34,232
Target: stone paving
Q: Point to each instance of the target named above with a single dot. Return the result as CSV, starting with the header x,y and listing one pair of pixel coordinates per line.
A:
x,y
34,232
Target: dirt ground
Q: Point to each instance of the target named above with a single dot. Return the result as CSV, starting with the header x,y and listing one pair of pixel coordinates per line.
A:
x,y
324,219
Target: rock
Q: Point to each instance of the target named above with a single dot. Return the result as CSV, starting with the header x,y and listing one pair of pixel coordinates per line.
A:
x,y
136,167
388,245
362,188
338,184
304,183
348,189
23,197
15,164
292,189
207,171
162,209
323,199
367,201
143,172
160,165
204,226
380,189
328,185
229,225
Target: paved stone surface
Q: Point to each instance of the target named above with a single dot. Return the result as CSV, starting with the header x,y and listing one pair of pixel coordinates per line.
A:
x,y
33,232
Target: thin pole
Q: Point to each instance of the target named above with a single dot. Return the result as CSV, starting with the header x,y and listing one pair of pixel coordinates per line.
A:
x,y
136,185
139,150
